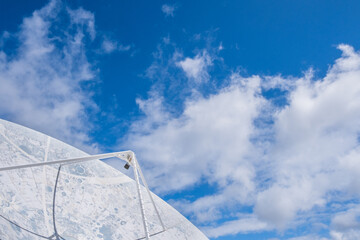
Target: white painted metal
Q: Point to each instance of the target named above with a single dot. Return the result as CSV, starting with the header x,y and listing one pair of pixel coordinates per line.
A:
x,y
67,161
146,229
130,156
148,191
94,201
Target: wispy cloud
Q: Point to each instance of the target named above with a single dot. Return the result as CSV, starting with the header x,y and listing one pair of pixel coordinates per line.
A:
x,y
4,37
168,9
196,69
83,19
109,46
45,81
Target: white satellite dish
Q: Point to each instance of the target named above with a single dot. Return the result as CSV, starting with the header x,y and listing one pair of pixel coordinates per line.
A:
x,y
51,190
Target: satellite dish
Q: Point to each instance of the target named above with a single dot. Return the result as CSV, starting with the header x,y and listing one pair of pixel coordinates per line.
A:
x,y
51,190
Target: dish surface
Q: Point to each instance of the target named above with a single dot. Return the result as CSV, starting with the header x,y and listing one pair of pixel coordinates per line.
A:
x,y
92,200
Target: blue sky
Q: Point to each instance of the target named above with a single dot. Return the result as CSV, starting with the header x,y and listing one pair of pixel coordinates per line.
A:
x,y
244,114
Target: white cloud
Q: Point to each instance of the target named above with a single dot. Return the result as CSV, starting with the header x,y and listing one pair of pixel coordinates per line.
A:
x,y
192,145
244,225
221,47
168,10
302,160
41,81
349,235
83,18
109,46
196,68
211,141
346,225
347,220
316,136
308,237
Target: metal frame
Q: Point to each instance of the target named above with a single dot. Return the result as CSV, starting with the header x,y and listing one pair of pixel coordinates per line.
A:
x,y
129,157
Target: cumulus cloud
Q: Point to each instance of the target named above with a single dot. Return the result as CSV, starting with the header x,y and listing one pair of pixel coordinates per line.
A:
x,y
168,10
44,81
346,224
196,68
316,136
284,162
186,146
244,225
